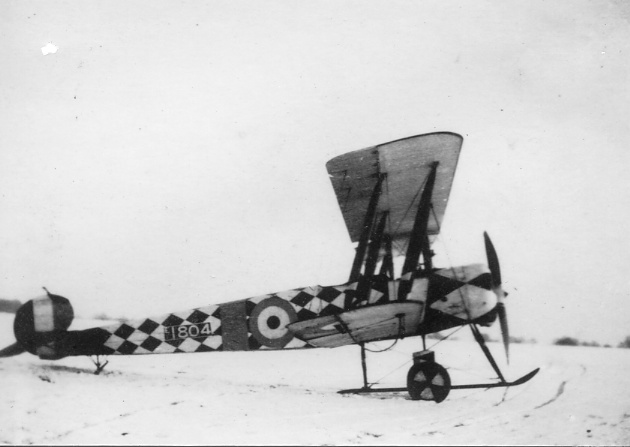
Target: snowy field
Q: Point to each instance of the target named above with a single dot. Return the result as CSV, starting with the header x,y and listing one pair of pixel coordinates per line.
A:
x,y
581,396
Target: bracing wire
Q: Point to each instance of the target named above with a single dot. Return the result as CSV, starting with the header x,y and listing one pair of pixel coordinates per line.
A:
x,y
391,372
446,337
407,362
416,195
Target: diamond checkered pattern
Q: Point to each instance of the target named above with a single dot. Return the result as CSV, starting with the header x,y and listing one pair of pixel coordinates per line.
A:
x,y
148,336
446,281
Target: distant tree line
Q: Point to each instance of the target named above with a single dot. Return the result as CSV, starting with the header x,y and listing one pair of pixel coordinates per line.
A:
x,y
515,340
571,341
625,343
104,317
486,337
522,340
562,341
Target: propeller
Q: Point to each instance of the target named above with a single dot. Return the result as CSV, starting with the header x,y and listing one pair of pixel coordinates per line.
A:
x,y
495,274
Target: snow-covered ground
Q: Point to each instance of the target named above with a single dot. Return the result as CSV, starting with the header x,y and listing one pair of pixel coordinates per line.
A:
x,y
581,396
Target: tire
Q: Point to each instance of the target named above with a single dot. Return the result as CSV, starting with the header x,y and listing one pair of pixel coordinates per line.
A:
x,y
428,381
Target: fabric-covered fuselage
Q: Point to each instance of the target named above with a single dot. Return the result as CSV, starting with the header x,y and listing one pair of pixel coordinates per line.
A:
x,y
450,297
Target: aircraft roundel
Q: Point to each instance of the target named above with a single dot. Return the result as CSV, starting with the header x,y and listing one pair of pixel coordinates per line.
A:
x,y
269,320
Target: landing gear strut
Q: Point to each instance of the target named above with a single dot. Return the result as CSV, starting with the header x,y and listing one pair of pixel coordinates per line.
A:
x,y
428,380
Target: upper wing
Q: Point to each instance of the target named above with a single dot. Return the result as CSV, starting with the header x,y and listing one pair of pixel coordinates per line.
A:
x,y
406,163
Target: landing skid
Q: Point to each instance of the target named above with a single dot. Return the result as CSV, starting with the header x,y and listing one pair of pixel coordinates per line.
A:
x,y
516,382
526,378
428,380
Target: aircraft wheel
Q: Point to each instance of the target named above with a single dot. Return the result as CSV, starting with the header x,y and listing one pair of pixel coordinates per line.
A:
x,y
428,381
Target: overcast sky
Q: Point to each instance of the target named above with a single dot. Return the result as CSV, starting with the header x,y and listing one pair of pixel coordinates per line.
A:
x,y
171,154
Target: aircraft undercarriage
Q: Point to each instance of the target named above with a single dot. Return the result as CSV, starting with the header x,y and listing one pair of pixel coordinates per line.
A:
x,y
428,380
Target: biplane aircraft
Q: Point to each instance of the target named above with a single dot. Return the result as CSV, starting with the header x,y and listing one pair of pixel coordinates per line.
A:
x,y
393,198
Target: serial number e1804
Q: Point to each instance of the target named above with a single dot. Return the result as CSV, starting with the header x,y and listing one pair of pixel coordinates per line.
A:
x,y
187,331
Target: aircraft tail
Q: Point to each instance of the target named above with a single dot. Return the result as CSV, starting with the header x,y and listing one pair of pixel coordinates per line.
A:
x,y
39,326
15,349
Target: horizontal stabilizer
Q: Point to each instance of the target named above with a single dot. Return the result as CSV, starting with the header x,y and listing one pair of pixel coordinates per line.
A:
x,y
15,349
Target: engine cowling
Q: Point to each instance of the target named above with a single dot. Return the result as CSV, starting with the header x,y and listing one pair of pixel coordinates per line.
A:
x,y
40,324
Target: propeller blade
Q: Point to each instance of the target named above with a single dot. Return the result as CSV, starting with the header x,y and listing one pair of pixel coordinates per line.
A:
x,y
15,349
495,273
505,330
493,261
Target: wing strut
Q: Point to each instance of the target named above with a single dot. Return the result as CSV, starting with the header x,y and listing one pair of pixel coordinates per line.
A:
x,y
418,240
368,222
427,254
365,283
387,267
375,246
